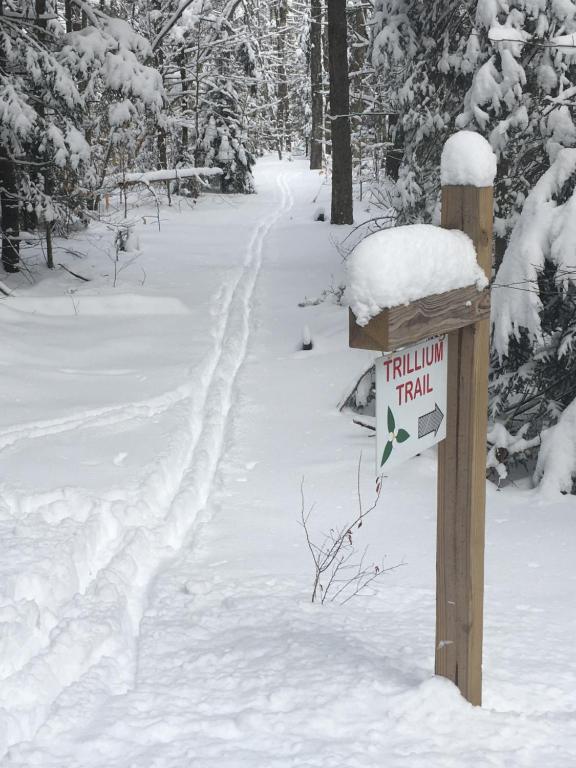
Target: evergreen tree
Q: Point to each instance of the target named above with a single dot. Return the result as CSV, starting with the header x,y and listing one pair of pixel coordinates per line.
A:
x,y
505,69
425,56
40,108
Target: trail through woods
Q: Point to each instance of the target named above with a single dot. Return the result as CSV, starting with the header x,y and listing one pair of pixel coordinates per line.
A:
x,y
156,580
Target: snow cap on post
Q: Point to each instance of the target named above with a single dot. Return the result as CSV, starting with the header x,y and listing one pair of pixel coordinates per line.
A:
x,y
400,265
467,160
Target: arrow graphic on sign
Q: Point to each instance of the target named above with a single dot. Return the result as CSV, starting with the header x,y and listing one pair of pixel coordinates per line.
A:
x,y
430,422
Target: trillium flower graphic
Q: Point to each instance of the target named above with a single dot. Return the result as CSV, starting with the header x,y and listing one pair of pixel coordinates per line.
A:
x,y
394,436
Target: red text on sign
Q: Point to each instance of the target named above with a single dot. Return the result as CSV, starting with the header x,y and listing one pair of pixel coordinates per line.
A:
x,y
411,362
411,389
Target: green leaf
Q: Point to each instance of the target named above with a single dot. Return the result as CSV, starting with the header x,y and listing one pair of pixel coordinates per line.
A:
x,y
387,452
402,436
391,421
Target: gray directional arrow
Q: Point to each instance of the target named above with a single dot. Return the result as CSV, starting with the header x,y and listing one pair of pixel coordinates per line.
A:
x,y
430,422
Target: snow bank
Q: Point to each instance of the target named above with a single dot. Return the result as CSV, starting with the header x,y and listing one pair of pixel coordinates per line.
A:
x,y
399,265
556,467
468,159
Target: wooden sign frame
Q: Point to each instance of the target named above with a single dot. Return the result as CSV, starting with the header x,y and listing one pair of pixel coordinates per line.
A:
x,y
465,315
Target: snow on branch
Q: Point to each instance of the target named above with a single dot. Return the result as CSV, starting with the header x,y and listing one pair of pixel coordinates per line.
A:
x,y
545,230
88,10
517,38
173,19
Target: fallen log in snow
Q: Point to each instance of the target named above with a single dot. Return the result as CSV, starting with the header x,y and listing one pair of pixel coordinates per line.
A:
x,y
152,177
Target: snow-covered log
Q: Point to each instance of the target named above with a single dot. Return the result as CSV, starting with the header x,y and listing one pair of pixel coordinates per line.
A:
x,y
151,177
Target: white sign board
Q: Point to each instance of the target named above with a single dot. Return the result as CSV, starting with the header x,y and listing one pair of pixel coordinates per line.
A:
x,y
411,387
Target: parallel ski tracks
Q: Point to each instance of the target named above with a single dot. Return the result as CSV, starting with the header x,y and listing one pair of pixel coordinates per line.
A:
x,y
100,622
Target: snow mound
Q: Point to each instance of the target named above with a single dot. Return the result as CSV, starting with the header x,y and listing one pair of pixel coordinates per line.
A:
x,y
119,304
403,264
468,160
556,467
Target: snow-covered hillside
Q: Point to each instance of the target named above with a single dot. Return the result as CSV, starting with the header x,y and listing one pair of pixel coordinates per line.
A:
x,y
154,576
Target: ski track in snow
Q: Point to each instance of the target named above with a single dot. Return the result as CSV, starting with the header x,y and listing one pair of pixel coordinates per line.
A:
x,y
98,417
100,623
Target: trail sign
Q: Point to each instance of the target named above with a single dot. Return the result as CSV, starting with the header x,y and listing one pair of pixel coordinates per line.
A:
x,y
464,315
411,386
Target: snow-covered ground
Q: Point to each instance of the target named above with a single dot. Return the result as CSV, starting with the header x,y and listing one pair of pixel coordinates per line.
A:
x,y
154,577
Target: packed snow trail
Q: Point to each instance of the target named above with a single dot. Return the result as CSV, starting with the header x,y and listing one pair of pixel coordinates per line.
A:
x,y
224,662
103,615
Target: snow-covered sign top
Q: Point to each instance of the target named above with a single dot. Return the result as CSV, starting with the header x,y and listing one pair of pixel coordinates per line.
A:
x,y
403,264
467,160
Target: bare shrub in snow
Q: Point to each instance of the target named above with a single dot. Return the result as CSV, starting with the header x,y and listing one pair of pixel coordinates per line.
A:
x,y
334,294
341,570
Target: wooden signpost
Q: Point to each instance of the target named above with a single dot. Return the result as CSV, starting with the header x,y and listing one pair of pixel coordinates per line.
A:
x,y
463,315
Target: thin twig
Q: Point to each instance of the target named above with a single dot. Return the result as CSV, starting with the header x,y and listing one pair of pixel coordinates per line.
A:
x,y
74,274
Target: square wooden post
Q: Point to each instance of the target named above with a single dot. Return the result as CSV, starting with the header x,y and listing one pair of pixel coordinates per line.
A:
x,y
462,468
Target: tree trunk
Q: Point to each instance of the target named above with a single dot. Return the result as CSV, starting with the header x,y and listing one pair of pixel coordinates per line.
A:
x,y
10,224
316,85
73,17
41,13
283,98
327,133
342,209
185,85
163,159
10,213
359,35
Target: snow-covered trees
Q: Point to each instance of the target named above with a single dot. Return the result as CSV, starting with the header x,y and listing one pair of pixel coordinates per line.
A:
x,y
67,98
123,97
424,55
39,112
222,97
505,69
499,68
522,98
91,92
534,315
